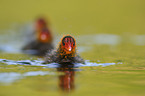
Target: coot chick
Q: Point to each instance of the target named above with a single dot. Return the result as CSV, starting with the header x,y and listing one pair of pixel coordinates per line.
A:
x,y
41,45
66,52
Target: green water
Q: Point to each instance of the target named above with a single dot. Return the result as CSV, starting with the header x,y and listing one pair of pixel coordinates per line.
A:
x,y
125,18
125,79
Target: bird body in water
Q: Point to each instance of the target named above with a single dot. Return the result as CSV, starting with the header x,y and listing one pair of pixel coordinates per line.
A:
x,y
43,42
66,53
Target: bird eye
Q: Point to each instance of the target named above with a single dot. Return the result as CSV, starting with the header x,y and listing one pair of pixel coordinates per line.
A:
x,y
73,43
63,43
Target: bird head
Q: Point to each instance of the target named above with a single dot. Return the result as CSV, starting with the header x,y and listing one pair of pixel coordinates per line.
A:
x,y
45,36
68,44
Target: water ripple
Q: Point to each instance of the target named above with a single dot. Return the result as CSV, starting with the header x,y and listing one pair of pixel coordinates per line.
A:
x,y
52,65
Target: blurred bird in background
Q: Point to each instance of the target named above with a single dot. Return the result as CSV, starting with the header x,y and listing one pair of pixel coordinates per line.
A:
x,y
43,39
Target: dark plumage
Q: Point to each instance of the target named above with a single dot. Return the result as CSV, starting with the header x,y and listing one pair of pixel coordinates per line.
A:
x,y
37,48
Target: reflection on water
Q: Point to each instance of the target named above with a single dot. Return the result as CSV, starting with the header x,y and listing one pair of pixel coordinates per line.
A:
x,y
14,46
138,40
13,39
9,77
99,39
67,80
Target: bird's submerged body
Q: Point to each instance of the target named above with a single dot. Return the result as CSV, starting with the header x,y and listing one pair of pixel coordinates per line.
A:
x,y
66,53
38,48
